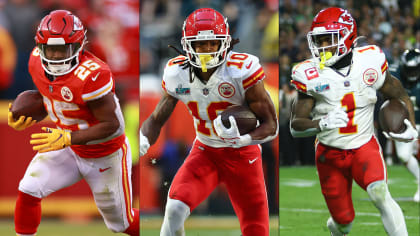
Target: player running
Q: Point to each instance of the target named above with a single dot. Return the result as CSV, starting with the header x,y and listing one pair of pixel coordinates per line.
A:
x,y
89,141
409,74
337,94
208,79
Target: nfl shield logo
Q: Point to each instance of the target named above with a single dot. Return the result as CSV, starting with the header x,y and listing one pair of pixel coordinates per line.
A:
x,y
205,91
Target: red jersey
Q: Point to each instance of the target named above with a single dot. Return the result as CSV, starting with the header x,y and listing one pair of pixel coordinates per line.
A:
x,y
65,100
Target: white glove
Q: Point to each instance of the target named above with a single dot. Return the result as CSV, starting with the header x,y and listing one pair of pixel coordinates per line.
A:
x,y
336,118
231,136
407,136
144,144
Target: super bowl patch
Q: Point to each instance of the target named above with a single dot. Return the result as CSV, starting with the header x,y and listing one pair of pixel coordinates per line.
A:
x,y
182,91
322,87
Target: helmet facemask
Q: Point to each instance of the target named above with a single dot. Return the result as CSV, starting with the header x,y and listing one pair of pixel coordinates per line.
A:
x,y
328,55
56,67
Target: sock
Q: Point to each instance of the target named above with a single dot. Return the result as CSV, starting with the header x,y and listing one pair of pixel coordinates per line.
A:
x,y
175,215
27,214
413,167
134,228
391,214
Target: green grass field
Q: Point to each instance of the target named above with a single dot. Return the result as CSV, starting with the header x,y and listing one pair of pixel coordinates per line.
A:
x,y
150,226
303,210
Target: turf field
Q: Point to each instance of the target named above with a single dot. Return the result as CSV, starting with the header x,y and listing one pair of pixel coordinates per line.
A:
x,y
303,210
150,226
202,226
63,228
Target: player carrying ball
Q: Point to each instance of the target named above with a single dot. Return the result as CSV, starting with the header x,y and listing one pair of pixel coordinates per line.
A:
x,y
209,78
337,93
89,142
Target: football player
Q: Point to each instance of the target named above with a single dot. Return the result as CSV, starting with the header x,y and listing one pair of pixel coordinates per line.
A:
x,y
409,74
88,143
337,94
209,78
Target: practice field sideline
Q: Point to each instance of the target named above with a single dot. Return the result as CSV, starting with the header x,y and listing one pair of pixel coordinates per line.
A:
x,y
303,210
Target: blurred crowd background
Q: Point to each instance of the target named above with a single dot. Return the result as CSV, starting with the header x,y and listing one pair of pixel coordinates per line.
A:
x,y
112,35
393,25
255,23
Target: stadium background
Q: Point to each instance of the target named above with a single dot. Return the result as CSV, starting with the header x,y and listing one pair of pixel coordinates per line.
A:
x,y
255,23
113,36
392,25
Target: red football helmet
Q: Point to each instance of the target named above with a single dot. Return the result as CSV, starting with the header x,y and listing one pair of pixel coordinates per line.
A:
x,y
339,27
206,24
60,34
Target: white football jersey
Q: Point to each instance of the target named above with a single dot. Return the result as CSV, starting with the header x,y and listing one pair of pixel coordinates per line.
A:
x,y
354,90
226,86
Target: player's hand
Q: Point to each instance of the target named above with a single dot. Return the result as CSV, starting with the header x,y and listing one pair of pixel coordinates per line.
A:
x,y
53,139
22,123
144,144
336,118
231,136
407,136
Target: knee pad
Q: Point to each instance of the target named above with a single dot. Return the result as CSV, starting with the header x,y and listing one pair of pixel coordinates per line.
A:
x,y
378,192
176,209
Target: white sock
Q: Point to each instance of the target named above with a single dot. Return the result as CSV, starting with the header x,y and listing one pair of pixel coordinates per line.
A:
x,y
176,213
413,166
391,214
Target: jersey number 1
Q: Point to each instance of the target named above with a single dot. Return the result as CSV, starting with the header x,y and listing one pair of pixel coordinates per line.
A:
x,y
350,104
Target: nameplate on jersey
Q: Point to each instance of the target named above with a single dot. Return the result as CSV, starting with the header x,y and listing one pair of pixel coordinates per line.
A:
x,y
182,91
322,87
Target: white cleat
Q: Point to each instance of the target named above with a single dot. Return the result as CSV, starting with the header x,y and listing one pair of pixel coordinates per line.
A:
x,y
416,197
333,228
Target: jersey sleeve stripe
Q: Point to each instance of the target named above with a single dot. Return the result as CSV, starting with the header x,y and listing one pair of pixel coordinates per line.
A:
x,y
299,86
164,85
384,66
254,78
98,93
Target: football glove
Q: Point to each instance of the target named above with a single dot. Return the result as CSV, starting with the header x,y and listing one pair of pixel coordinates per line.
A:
x,y
53,139
336,118
144,144
22,123
407,136
231,136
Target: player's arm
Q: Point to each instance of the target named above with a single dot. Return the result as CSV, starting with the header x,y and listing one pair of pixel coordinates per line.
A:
x,y
301,125
153,124
261,105
392,88
103,109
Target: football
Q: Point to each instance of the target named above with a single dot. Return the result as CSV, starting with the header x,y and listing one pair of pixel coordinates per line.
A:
x,y
29,103
244,117
391,116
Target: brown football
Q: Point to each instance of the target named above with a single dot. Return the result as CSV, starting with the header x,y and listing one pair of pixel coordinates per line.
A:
x,y
244,117
391,116
29,103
